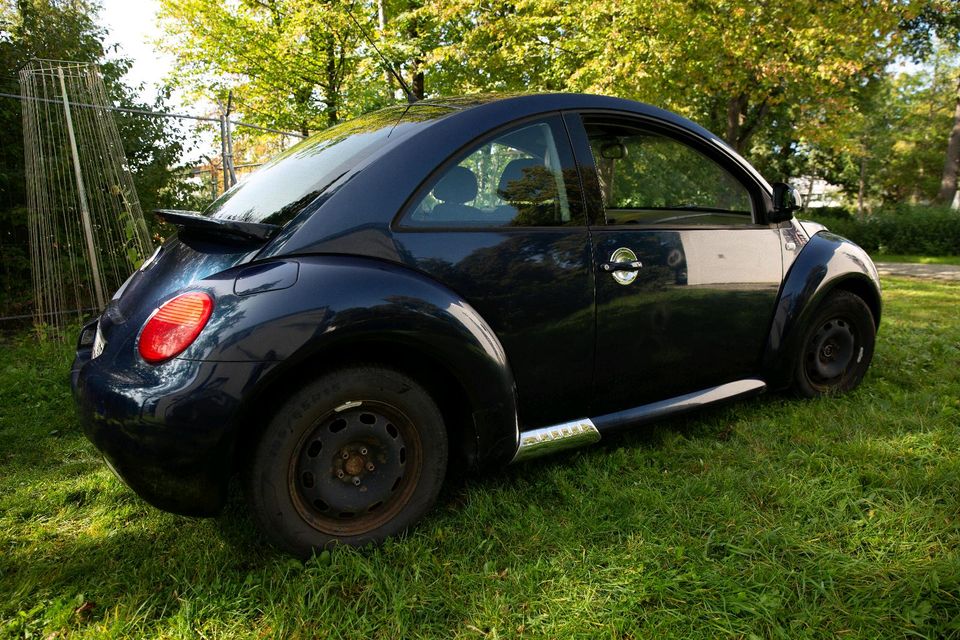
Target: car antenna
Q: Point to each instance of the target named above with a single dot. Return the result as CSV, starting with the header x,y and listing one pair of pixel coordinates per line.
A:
x,y
411,98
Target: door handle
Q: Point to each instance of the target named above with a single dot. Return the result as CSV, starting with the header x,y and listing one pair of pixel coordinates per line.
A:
x,y
623,266
630,265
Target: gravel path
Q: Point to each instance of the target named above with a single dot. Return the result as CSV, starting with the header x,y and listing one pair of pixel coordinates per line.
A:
x,y
943,272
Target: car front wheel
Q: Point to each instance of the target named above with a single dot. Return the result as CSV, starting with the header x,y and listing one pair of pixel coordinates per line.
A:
x,y
837,347
354,457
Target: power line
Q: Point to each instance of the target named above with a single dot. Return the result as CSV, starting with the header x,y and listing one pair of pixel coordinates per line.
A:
x,y
158,114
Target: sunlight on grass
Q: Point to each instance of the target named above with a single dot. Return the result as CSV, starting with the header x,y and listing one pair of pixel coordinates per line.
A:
x,y
882,257
770,518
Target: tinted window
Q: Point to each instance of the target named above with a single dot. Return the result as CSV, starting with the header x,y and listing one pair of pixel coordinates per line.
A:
x,y
648,178
279,189
516,179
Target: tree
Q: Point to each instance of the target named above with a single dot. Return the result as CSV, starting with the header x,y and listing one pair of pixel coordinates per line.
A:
x,y
938,22
730,64
798,86
286,61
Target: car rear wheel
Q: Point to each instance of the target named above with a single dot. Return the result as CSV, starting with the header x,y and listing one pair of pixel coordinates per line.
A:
x,y
354,457
837,347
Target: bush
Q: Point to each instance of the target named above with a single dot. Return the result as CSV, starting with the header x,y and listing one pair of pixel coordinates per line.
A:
x,y
924,230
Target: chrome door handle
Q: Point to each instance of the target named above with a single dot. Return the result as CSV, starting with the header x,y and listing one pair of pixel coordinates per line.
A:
x,y
634,265
623,266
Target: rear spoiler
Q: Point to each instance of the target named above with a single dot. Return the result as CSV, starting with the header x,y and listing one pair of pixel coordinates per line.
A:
x,y
193,223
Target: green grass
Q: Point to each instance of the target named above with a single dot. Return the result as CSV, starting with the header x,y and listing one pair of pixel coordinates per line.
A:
x,y
881,257
771,518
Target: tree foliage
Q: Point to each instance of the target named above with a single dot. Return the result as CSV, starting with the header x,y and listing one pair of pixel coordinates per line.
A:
x,y
799,86
288,62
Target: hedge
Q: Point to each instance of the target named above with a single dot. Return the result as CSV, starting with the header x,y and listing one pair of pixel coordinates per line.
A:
x,y
923,230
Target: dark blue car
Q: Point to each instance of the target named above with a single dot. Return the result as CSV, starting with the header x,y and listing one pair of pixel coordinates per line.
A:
x,y
462,282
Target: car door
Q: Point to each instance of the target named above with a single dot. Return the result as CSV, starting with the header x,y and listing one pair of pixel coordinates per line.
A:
x,y
686,270
503,224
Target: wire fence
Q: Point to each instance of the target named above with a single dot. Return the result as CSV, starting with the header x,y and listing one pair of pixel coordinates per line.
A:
x,y
226,124
218,170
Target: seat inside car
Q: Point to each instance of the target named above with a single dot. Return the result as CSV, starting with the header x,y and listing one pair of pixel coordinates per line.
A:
x,y
454,190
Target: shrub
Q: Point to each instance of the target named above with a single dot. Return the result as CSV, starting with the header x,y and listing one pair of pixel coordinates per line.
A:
x,y
925,230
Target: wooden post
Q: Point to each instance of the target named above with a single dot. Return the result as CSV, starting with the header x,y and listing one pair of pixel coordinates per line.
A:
x,y
223,151
82,195
229,132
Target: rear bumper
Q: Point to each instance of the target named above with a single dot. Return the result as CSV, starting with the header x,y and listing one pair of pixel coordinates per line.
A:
x,y
167,431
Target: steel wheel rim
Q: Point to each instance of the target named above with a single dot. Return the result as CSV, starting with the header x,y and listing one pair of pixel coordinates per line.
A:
x,y
830,352
355,469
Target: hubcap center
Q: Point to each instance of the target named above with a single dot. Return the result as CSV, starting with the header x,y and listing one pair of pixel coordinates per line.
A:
x,y
355,465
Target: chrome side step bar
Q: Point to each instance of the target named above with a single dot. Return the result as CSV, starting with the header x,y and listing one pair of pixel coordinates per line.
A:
x,y
546,440
540,442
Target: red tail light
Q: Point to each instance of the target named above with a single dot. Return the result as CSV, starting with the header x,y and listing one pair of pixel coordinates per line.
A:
x,y
174,326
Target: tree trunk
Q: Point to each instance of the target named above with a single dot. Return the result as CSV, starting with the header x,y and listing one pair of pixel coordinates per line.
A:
x,y
301,98
863,186
948,181
735,108
332,99
416,67
417,87
741,124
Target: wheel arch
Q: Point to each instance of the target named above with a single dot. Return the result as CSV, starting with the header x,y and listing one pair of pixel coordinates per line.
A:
x,y
441,383
863,289
827,263
345,311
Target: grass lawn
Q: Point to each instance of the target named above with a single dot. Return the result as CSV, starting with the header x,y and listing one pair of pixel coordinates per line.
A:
x,y
882,257
771,518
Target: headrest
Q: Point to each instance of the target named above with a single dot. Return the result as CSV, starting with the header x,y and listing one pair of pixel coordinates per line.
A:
x,y
459,185
514,171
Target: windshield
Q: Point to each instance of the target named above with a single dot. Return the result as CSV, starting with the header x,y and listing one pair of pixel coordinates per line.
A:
x,y
279,189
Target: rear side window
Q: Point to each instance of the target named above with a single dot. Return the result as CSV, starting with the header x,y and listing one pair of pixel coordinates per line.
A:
x,y
522,178
277,191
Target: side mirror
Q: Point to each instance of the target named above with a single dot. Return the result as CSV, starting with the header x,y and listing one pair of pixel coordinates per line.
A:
x,y
786,201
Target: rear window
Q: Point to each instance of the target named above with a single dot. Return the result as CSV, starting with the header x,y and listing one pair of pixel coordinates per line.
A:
x,y
278,190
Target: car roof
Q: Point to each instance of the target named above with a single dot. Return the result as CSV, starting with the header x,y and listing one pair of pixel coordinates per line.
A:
x,y
522,104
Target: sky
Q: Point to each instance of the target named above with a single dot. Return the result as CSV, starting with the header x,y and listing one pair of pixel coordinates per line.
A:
x,y
132,25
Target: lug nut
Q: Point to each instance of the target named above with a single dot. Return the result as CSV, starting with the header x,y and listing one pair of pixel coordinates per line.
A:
x,y
370,466
356,481
340,474
345,455
363,451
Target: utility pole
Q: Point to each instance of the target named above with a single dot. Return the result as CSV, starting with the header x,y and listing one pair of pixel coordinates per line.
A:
x,y
223,151
229,131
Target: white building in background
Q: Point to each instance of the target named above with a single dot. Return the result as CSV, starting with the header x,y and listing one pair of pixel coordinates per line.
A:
x,y
817,192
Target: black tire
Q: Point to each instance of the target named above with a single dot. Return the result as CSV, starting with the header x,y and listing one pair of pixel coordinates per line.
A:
x,y
837,347
354,457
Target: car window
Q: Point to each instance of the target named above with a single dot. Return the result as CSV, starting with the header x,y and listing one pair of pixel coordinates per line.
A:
x,y
282,187
648,178
516,179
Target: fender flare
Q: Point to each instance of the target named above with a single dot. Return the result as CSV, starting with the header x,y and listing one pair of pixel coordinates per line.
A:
x,y
825,263
340,301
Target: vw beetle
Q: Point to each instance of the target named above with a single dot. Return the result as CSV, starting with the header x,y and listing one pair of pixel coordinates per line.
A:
x,y
473,281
